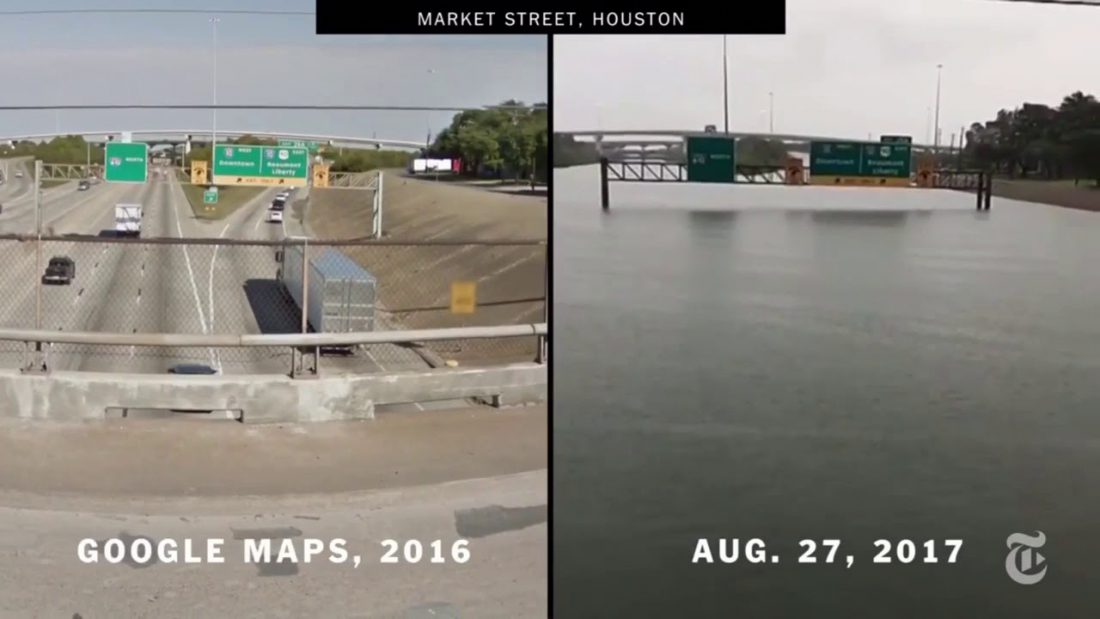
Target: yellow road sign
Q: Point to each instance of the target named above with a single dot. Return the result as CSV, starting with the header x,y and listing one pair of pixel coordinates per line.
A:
x,y
859,181
226,179
320,175
463,297
198,173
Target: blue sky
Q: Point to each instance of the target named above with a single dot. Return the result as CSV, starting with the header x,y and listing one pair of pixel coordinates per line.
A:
x,y
270,59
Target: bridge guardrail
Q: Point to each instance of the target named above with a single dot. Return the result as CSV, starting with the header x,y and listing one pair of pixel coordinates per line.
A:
x,y
303,349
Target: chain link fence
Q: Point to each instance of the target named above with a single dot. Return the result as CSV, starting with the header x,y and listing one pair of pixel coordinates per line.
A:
x,y
215,286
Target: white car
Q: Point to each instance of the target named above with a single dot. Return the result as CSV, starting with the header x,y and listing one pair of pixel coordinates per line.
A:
x,y
275,216
18,175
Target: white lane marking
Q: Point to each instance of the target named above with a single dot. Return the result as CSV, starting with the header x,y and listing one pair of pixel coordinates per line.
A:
x,y
508,267
194,286
210,288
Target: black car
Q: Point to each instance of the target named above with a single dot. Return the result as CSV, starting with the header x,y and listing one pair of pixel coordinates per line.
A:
x,y
191,368
83,185
60,270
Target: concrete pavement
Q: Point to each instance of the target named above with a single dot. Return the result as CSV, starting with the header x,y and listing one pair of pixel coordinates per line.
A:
x,y
475,475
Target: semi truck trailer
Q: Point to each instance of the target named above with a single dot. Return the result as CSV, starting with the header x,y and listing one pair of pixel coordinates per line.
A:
x,y
341,294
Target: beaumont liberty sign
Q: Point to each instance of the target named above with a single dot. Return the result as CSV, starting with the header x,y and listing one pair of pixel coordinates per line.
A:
x,y
861,163
236,164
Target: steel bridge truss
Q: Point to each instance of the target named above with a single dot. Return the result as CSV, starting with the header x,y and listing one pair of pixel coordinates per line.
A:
x,y
641,171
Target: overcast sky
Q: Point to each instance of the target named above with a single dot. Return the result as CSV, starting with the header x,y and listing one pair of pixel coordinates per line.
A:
x,y
150,58
845,68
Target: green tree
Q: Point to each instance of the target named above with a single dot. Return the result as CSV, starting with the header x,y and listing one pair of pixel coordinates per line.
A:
x,y
498,142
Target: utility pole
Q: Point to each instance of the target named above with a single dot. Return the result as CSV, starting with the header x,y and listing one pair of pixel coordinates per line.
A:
x,y
936,145
214,127
725,87
38,245
771,112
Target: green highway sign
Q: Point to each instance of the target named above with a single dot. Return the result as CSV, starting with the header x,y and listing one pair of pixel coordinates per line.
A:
x,y
860,163
126,162
311,146
896,139
209,197
235,164
711,160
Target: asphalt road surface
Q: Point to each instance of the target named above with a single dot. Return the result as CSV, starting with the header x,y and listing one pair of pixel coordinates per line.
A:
x,y
158,288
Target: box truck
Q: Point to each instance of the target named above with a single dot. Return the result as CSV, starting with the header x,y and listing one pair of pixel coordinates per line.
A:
x,y
128,219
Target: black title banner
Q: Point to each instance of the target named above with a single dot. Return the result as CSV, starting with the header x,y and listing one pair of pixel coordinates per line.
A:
x,y
767,17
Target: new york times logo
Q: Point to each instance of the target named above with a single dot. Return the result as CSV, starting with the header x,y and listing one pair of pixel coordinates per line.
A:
x,y
1024,564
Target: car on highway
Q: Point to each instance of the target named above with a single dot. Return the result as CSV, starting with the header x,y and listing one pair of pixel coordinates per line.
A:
x,y
18,175
274,216
192,369
278,203
83,185
60,270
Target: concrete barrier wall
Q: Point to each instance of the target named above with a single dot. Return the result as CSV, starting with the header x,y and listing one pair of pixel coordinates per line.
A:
x,y
261,399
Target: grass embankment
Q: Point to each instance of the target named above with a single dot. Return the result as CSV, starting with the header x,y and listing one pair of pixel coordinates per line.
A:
x,y
46,184
230,198
415,279
1085,196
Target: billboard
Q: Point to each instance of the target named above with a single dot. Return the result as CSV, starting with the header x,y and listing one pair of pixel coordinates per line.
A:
x,y
436,166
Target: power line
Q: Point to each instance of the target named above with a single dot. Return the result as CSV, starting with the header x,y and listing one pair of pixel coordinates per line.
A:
x,y
395,108
153,11
1095,3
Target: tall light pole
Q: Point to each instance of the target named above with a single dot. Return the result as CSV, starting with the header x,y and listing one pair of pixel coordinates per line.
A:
x,y
771,112
428,141
928,126
725,87
936,129
214,127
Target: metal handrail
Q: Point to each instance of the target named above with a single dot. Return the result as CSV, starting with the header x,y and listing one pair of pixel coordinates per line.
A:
x,y
278,339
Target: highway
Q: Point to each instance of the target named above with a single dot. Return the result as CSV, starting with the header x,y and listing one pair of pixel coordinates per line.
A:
x,y
151,288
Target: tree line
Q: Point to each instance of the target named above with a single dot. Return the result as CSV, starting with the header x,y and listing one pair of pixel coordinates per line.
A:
x,y
61,149
498,143
1040,141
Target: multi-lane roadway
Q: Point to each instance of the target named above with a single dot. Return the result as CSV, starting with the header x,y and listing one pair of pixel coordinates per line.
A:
x,y
157,288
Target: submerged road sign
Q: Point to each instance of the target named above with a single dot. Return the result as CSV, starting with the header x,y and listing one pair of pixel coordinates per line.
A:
x,y
127,162
235,164
896,139
711,160
860,163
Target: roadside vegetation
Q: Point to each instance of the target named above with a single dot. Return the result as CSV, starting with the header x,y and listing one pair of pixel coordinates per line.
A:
x,y
1037,141
61,149
503,144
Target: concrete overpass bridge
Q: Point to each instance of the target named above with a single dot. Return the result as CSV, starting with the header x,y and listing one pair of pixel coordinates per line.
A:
x,y
656,141
176,137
